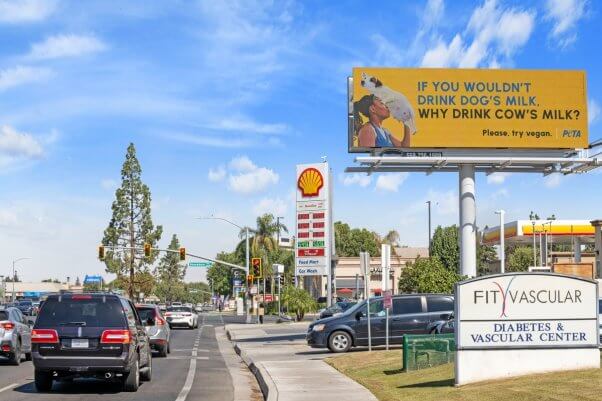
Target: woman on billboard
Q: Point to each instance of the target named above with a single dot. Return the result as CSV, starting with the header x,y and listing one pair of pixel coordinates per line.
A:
x,y
372,134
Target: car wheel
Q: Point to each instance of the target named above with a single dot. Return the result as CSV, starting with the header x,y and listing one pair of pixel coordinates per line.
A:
x,y
433,331
339,341
15,357
131,381
168,347
163,351
43,380
146,373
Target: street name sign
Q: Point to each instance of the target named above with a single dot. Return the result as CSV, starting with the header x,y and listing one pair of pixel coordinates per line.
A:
x,y
523,323
200,264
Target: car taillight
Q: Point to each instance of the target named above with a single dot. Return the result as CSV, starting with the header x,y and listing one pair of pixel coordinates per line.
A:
x,y
187,314
167,314
81,297
116,337
8,326
160,321
44,336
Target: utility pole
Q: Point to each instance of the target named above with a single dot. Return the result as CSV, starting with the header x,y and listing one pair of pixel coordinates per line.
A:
x,y
15,274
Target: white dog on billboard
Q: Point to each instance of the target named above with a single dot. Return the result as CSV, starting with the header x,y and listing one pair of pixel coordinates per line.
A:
x,y
396,102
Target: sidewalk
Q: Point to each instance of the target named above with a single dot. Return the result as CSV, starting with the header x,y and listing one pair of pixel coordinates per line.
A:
x,y
287,369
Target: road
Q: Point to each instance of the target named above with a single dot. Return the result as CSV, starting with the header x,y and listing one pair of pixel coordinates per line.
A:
x,y
195,370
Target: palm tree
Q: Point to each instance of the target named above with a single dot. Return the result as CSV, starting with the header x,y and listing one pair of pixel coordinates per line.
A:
x,y
263,241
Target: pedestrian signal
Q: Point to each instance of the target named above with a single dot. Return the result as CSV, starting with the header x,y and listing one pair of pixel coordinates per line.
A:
x,y
147,250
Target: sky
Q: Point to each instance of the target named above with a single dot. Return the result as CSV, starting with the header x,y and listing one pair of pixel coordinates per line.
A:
x,y
223,98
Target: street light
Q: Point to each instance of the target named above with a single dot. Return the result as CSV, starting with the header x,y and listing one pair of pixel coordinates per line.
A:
x,y
429,203
15,261
502,238
246,251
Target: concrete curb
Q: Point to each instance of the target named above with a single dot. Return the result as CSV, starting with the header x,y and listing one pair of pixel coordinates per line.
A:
x,y
266,384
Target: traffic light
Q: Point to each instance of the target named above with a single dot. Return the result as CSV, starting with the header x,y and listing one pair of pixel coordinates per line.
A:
x,y
182,254
256,270
147,250
281,279
101,252
250,279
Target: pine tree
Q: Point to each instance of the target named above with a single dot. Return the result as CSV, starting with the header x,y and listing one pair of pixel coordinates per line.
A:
x,y
131,226
170,273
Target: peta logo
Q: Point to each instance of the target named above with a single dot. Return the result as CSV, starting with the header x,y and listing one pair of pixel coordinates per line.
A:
x,y
507,297
571,133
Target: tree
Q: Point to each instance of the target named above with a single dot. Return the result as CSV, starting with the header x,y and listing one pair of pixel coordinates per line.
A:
x,y
298,301
392,238
170,273
486,255
520,259
263,242
131,226
196,293
50,280
220,276
77,282
428,275
350,242
445,246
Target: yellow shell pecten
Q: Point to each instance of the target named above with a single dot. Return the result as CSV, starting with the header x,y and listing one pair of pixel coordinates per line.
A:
x,y
310,182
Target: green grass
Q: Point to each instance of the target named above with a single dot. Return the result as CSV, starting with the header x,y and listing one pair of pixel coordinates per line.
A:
x,y
380,372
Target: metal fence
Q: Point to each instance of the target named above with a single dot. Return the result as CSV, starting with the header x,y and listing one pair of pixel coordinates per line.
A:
x,y
427,350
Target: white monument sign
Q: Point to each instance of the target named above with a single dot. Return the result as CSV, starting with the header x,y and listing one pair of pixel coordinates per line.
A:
x,y
523,323
313,241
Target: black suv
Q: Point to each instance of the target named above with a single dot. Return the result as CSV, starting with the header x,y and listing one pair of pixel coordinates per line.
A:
x,y
96,335
410,314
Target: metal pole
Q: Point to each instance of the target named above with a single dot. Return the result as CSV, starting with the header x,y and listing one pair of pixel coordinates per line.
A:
x,y
13,295
502,245
540,249
357,286
468,232
430,236
279,290
247,298
534,245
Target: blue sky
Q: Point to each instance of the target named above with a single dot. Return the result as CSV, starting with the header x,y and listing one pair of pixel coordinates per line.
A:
x,y
222,99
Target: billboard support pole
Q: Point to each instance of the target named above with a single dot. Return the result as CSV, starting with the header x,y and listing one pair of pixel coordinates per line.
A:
x,y
468,226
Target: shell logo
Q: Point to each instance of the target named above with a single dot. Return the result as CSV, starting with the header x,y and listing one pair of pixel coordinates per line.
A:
x,y
310,182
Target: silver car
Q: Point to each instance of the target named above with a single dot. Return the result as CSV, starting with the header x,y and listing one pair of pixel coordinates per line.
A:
x,y
15,335
156,327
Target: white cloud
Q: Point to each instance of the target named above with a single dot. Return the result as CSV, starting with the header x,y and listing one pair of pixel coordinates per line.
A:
x,y
390,181
108,184
242,124
17,146
497,178
492,33
593,111
8,218
242,163
275,206
565,14
59,46
363,180
21,75
553,180
253,181
17,11
217,174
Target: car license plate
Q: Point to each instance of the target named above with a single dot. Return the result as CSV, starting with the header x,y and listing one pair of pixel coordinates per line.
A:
x,y
79,343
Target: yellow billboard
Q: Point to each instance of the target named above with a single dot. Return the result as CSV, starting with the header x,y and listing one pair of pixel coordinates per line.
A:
x,y
467,108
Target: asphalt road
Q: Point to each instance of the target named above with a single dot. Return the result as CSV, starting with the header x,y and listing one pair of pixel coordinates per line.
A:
x,y
195,370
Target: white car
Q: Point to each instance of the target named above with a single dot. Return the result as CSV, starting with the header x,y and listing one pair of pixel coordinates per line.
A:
x,y
182,316
600,319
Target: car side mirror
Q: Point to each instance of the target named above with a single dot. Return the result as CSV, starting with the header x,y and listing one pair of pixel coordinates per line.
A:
x,y
358,315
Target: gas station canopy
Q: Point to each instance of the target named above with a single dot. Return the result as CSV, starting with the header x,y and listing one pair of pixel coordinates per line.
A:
x,y
559,232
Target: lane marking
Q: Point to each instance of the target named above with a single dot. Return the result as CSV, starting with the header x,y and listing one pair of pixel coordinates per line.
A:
x,y
191,370
8,387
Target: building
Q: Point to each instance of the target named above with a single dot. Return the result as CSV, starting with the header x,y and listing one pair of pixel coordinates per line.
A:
x,y
349,281
34,290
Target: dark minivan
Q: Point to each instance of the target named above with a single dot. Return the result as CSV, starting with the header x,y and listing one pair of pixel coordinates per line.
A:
x,y
96,335
410,314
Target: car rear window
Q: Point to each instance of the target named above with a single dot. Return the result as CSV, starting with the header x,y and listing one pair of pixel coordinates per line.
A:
x,y
3,315
25,303
440,304
81,312
146,313
179,309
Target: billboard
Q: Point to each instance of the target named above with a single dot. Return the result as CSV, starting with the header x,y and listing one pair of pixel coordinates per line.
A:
x,y
467,108
313,220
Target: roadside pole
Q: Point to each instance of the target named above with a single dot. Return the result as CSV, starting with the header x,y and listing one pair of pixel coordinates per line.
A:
x,y
365,267
385,265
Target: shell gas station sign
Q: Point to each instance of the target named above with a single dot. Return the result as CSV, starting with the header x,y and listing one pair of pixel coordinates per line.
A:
x,y
313,220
